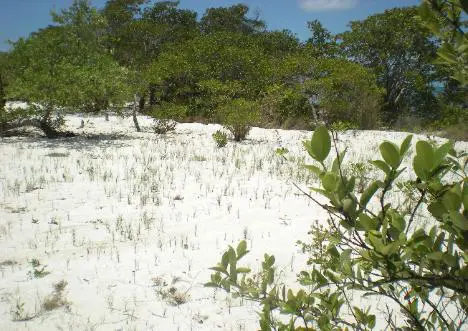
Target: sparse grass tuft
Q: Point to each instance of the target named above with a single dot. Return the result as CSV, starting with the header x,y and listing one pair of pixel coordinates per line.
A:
x,y
38,269
56,300
170,294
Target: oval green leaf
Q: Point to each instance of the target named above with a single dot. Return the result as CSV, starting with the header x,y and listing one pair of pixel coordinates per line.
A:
x,y
390,153
320,144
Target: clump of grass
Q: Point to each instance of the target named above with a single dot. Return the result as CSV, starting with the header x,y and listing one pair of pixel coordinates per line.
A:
x,y
56,299
199,158
220,138
170,294
8,263
56,154
19,313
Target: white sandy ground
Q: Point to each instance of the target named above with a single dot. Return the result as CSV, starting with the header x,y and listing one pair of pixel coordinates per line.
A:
x,y
117,215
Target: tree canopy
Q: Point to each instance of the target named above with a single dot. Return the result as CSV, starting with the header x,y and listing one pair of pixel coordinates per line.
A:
x,y
157,53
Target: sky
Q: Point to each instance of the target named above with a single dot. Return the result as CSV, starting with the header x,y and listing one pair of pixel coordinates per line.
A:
x,y
18,18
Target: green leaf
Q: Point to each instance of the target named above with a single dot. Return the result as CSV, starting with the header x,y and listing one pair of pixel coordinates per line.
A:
x,y
349,206
336,165
459,220
437,209
233,265
420,167
405,145
210,284
451,201
241,249
368,194
225,259
320,144
376,240
314,169
448,55
381,165
439,240
436,256
390,153
441,153
367,222
243,270
390,249
219,269
398,222
426,153
329,181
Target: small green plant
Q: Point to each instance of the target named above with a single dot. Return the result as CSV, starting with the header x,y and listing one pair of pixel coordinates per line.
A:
x,y
38,269
238,116
19,313
165,117
282,151
220,138
372,246
344,126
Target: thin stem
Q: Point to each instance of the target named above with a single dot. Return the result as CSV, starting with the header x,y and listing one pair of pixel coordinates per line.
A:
x,y
413,214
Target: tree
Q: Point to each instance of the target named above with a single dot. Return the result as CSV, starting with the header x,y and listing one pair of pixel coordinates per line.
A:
x,y
400,51
322,42
4,78
345,92
232,19
121,39
278,44
209,70
64,67
372,246
335,89
445,20
140,31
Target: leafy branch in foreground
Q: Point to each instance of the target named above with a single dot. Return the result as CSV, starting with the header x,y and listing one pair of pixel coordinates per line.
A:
x,y
411,257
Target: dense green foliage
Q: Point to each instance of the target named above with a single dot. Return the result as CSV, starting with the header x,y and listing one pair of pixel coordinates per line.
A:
x,y
372,246
156,53
64,67
401,51
445,19
400,239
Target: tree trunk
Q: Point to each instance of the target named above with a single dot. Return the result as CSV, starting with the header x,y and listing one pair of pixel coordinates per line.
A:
x,y
134,114
315,115
46,126
43,124
141,103
2,95
152,95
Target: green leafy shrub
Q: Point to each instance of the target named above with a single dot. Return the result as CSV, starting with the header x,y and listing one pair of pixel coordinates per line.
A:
x,y
456,132
415,266
281,105
346,92
238,116
165,116
344,126
220,138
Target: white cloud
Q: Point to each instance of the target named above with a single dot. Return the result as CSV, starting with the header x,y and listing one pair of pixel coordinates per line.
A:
x,y
323,5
